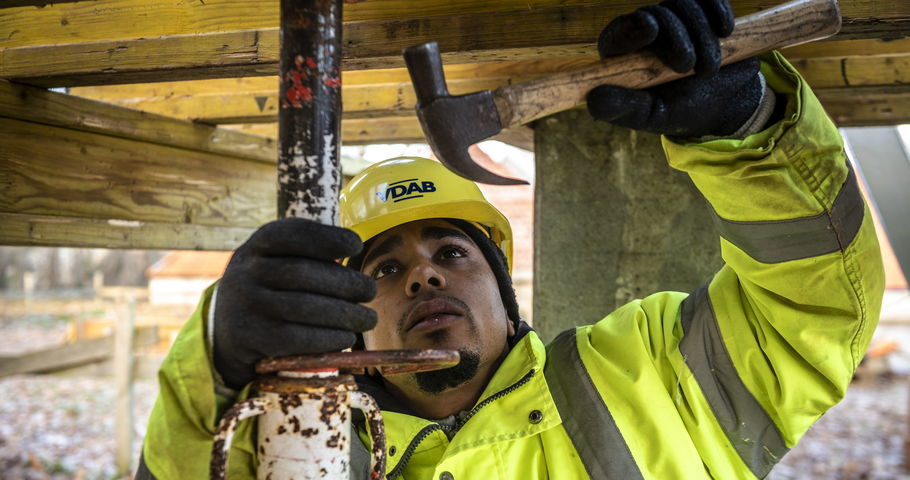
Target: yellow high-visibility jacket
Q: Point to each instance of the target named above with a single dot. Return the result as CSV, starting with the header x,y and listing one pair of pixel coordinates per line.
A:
x,y
718,383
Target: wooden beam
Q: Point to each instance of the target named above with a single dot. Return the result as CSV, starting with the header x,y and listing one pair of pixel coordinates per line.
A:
x,y
32,3
71,354
233,101
356,131
360,101
82,173
454,72
60,231
181,57
855,71
867,106
89,20
849,48
206,56
51,108
182,41
350,79
367,93
366,131
62,172
254,99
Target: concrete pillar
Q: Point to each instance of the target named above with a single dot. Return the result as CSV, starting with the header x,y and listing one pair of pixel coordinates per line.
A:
x,y
613,222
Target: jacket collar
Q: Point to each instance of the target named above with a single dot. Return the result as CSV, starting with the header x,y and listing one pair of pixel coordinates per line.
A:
x,y
516,389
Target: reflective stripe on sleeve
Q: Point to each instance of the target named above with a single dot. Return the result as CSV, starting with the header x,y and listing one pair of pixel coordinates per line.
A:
x,y
747,426
594,433
784,240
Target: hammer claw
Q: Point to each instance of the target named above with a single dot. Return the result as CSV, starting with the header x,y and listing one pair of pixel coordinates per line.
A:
x,y
452,123
475,172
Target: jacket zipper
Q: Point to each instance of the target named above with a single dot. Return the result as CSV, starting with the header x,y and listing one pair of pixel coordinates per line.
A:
x,y
406,456
426,431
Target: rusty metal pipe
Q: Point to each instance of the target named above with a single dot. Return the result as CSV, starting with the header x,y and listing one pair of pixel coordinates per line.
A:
x,y
304,432
390,362
305,406
309,117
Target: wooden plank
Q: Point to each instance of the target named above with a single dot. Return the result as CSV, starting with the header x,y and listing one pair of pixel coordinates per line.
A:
x,y
211,55
357,131
855,71
867,106
56,171
453,72
108,19
249,100
32,3
245,46
206,56
71,354
366,131
397,99
58,231
510,69
360,101
849,48
51,108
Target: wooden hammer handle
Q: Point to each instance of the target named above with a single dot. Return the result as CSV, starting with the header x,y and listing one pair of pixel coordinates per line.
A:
x,y
785,25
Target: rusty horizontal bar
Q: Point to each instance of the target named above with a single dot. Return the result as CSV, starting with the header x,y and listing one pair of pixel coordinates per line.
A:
x,y
389,361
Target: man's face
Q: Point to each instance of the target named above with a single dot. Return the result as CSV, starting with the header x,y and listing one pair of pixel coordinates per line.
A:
x,y
434,290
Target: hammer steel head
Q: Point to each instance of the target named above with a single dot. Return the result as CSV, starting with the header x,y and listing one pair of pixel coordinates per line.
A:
x,y
452,123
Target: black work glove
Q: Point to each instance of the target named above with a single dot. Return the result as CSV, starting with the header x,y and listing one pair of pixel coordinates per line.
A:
x,y
684,35
283,294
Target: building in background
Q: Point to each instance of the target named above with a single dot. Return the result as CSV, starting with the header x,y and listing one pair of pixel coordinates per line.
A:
x,y
181,276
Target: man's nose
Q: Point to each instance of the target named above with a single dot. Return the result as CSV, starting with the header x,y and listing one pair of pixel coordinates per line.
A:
x,y
424,276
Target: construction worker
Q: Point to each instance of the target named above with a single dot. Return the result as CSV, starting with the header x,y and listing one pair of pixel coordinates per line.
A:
x,y
716,383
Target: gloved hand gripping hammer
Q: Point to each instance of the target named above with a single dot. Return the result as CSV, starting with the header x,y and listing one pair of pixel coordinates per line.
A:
x,y
453,123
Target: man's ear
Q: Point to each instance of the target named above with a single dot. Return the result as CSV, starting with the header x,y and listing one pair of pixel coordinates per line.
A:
x,y
510,332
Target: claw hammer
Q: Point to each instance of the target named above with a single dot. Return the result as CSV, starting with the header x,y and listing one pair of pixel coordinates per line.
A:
x,y
453,123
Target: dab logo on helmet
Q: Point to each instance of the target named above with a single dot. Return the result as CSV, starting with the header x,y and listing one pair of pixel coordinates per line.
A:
x,y
405,190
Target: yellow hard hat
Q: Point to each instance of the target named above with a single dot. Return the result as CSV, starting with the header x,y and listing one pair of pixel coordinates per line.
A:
x,y
404,189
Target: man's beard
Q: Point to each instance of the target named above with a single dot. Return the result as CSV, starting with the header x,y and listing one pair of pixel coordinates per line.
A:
x,y
438,381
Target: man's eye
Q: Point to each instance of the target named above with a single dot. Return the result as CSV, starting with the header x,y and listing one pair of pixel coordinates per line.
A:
x,y
452,251
384,269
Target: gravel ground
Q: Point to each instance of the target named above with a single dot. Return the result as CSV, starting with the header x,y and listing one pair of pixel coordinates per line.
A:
x,y
63,428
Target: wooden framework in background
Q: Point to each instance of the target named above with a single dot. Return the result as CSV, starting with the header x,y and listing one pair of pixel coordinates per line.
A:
x,y
166,138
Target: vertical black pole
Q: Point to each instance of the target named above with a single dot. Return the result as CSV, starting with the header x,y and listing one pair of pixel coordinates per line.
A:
x,y
309,174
